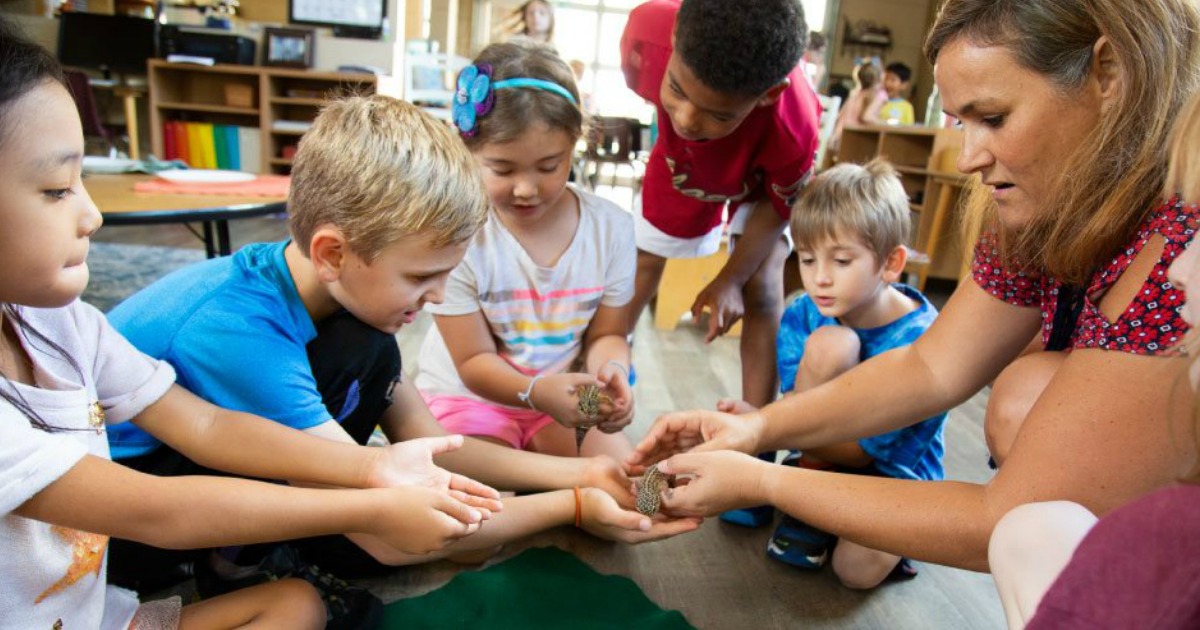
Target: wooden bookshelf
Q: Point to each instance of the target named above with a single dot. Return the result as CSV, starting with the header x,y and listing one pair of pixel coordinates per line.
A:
x,y
925,159
246,96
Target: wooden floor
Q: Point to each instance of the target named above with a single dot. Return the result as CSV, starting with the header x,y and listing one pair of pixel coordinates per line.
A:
x,y
718,576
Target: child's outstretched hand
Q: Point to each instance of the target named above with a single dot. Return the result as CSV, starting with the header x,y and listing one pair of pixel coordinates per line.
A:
x,y
555,395
618,411
607,474
701,430
410,463
420,520
602,517
723,299
716,481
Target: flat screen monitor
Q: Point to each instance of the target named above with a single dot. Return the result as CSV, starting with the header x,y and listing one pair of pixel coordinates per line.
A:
x,y
116,43
349,18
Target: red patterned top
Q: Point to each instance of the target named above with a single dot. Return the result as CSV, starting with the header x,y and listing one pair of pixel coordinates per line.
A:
x,y
1150,325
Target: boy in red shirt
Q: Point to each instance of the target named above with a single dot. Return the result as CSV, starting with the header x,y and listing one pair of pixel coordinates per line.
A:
x,y
737,127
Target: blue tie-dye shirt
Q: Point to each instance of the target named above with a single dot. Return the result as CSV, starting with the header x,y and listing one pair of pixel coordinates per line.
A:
x,y
914,452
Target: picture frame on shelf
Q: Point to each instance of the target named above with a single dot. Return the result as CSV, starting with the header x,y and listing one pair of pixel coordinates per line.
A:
x,y
288,47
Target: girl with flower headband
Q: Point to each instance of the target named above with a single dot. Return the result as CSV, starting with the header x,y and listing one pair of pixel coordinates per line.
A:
x,y
533,320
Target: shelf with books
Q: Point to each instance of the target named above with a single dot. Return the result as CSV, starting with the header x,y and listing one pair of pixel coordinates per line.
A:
x,y
247,118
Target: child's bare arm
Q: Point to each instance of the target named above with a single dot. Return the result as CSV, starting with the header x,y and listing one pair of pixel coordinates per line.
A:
x,y
528,515
723,296
505,468
100,496
484,372
248,445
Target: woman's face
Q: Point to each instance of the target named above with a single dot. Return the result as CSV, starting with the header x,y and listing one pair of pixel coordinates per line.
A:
x,y
1019,129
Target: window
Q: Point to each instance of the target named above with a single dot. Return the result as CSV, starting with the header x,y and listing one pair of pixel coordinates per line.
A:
x,y
590,31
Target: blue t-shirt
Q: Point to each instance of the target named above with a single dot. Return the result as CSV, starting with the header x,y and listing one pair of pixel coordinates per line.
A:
x,y
235,331
914,452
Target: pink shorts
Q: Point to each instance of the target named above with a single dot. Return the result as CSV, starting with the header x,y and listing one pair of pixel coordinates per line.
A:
x,y
459,414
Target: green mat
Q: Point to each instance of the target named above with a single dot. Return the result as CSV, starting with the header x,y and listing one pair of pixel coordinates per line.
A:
x,y
544,587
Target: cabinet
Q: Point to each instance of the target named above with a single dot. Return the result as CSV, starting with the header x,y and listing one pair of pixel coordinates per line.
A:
x,y
925,159
279,103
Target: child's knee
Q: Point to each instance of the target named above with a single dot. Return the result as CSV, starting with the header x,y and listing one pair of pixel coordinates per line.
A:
x,y
829,351
860,568
301,602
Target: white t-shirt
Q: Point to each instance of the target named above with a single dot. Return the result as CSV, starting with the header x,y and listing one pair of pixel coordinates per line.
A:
x,y
537,315
52,573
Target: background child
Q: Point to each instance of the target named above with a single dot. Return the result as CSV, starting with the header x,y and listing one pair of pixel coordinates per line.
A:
x,y
862,103
897,78
532,22
383,202
539,305
66,377
849,226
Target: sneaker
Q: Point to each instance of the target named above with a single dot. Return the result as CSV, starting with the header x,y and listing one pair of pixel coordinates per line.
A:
x,y
347,607
905,570
750,517
800,544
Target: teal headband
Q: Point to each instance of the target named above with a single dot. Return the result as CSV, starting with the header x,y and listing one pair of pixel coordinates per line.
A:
x,y
537,84
475,94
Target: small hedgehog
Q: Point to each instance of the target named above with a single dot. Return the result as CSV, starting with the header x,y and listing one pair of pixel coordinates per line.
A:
x,y
649,495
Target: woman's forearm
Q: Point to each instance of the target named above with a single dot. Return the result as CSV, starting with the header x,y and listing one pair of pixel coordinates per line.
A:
x,y
888,392
946,522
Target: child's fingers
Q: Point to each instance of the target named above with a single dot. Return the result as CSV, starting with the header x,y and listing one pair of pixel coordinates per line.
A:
x,y
483,503
458,510
470,486
440,444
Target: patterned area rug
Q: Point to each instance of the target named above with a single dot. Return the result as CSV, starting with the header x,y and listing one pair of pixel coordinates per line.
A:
x,y
119,270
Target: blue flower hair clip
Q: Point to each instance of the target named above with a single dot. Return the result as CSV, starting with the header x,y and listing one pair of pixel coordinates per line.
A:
x,y
472,98
476,94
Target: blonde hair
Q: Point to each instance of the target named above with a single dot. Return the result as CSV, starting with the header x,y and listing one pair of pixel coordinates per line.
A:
x,y
1109,185
1183,174
867,202
380,169
517,109
1183,178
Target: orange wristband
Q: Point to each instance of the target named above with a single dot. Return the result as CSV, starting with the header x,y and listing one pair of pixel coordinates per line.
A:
x,y
578,508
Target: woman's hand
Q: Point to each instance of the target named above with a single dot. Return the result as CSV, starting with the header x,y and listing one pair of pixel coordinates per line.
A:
x,y
716,481
700,430
410,463
556,395
605,473
618,412
723,299
602,517
420,520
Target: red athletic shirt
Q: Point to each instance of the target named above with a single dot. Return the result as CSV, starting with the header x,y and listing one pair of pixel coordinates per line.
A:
x,y
688,183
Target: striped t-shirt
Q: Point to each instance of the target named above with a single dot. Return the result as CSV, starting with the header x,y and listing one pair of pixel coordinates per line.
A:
x,y
537,315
